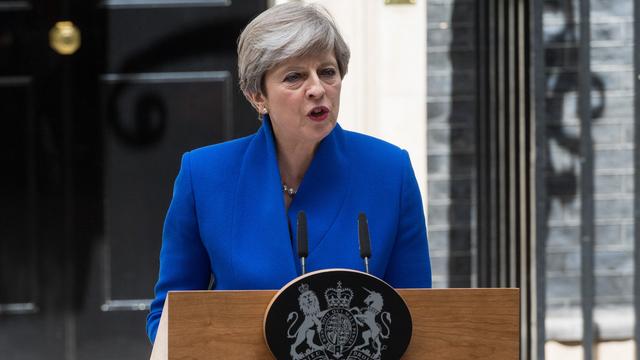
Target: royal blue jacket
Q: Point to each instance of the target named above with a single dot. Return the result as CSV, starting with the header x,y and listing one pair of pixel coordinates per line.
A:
x,y
227,219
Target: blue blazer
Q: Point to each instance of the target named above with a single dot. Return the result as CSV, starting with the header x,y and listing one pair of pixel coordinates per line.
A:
x,y
227,219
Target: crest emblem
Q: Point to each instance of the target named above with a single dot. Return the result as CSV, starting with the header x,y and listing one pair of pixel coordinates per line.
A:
x,y
350,320
338,326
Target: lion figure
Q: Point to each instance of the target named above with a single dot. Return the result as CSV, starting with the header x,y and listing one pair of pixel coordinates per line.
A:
x,y
310,307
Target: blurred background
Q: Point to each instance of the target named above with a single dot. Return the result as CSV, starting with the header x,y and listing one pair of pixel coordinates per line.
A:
x,y
519,116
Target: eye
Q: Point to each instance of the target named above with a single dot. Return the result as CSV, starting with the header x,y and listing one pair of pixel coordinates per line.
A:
x,y
328,72
292,77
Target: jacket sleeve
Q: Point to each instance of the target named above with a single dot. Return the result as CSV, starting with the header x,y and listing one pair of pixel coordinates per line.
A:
x,y
184,262
409,264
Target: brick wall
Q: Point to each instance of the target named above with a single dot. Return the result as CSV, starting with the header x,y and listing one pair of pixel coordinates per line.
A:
x,y
451,138
451,141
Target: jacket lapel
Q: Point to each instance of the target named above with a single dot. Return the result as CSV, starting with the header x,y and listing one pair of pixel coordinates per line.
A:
x,y
262,250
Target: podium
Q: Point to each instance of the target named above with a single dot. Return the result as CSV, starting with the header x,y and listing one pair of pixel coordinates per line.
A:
x,y
447,324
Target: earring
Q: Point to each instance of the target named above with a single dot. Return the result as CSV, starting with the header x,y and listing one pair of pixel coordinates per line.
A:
x,y
264,110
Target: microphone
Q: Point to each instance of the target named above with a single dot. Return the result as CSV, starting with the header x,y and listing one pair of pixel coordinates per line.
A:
x,y
365,241
303,243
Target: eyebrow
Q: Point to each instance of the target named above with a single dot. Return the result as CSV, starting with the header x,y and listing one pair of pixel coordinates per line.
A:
x,y
297,68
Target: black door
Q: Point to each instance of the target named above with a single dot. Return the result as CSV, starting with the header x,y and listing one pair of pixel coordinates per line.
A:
x,y
90,144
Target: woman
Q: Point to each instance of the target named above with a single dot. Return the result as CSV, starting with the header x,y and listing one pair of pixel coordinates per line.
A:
x,y
230,222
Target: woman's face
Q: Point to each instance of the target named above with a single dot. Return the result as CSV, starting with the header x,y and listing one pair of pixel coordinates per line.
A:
x,y
302,98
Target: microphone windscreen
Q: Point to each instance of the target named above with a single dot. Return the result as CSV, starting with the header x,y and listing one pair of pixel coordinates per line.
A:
x,y
303,243
363,236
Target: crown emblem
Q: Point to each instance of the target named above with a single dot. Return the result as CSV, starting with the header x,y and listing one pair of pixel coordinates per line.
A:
x,y
303,288
338,297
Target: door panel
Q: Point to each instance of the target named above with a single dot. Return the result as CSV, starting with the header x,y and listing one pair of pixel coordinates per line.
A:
x,y
177,38
18,264
27,337
167,114
15,34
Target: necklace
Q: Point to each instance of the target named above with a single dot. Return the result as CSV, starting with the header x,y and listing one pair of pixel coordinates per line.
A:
x,y
288,190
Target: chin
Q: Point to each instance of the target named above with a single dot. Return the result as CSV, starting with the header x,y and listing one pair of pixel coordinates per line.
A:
x,y
318,133
324,128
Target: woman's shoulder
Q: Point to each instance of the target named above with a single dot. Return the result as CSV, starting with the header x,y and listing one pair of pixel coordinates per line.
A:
x,y
218,164
367,146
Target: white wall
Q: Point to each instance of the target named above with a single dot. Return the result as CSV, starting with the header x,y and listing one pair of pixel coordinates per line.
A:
x,y
384,94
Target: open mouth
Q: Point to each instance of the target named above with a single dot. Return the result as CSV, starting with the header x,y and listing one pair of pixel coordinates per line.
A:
x,y
318,113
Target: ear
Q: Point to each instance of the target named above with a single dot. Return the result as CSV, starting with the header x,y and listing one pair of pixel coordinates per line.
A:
x,y
259,102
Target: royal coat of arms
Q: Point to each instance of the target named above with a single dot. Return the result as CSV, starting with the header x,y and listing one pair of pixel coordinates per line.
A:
x,y
341,331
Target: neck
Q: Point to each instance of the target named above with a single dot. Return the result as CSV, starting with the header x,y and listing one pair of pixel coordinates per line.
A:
x,y
293,162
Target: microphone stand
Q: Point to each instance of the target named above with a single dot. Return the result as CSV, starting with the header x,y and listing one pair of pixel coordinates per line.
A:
x,y
364,240
303,243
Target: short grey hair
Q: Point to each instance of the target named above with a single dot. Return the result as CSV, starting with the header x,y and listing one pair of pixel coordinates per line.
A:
x,y
282,32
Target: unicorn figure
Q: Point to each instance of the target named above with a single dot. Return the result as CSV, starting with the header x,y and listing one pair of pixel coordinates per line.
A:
x,y
367,318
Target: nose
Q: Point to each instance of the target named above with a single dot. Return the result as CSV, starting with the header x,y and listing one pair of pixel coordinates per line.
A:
x,y
315,88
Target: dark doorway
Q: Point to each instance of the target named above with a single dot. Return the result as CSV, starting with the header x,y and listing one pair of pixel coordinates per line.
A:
x,y
90,147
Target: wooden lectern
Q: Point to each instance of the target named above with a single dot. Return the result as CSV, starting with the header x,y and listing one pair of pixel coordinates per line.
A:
x,y
447,324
